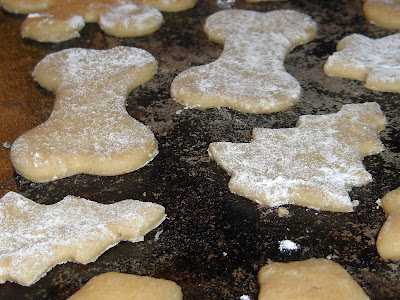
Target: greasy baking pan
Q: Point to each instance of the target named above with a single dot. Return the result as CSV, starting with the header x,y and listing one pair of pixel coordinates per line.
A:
x,y
213,242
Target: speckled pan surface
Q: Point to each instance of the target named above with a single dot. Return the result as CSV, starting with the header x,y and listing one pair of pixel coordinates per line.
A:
x,y
213,242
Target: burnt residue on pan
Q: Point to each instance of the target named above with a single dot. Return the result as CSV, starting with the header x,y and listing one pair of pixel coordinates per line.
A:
x,y
213,242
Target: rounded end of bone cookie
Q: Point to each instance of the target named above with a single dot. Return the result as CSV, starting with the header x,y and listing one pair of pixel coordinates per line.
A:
x,y
25,7
170,5
44,29
131,20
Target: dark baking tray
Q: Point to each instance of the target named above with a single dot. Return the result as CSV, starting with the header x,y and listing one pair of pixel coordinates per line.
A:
x,y
213,242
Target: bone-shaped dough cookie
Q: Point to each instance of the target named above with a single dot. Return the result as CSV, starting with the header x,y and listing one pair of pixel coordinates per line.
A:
x,y
249,75
385,13
89,130
36,237
374,61
61,20
113,285
311,279
388,241
311,165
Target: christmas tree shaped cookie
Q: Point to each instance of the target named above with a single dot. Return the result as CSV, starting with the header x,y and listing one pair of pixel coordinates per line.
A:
x,y
375,61
36,237
313,164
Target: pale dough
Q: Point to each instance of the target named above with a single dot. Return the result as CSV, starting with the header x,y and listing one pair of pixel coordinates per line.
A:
x,y
60,20
249,75
312,279
120,286
385,13
313,165
36,237
388,241
264,0
374,61
89,130
169,5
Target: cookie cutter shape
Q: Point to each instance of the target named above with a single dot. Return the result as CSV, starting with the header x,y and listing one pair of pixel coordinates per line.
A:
x,y
64,19
113,285
311,279
36,237
385,13
249,75
61,20
89,130
264,0
374,61
33,6
313,164
169,5
388,241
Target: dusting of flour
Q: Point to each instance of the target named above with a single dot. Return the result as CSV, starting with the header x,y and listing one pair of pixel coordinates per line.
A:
x,y
34,237
313,165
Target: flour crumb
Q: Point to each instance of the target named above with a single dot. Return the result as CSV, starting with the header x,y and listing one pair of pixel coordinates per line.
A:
x,y
157,235
244,297
225,3
6,145
378,203
288,245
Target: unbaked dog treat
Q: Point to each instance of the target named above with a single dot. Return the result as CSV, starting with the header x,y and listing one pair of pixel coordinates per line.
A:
x,y
36,237
249,75
89,130
264,0
121,286
388,241
310,279
374,61
61,20
313,165
385,13
169,5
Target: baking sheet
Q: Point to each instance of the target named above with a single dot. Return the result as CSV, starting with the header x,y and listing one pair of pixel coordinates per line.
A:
x,y
213,242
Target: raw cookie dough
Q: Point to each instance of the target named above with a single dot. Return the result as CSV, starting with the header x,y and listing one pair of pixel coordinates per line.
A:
x,y
89,130
374,61
120,286
313,165
264,0
310,279
36,237
385,13
61,20
388,241
169,5
249,75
